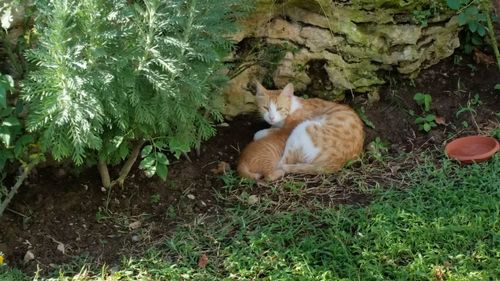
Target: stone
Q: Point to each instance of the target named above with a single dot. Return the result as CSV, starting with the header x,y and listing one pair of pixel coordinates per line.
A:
x,y
350,43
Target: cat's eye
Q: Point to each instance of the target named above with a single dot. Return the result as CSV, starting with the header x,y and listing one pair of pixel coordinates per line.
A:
x,y
280,108
266,108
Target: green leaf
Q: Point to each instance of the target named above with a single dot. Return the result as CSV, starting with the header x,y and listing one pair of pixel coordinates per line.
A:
x,y
497,86
6,82
162,171
147,162
3,97
430,118
462,19
5,137
161,158
146,150
423,100
481,30
473,26
178,147
476,39
123,151
471,11
427,127
453,4
21,143
11,122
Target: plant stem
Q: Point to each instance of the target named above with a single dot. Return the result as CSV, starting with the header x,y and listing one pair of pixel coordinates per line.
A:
x,y
15,188
104,172
491,33
128,164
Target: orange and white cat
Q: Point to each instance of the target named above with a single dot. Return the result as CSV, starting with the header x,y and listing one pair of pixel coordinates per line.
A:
x,y
260,158
326,135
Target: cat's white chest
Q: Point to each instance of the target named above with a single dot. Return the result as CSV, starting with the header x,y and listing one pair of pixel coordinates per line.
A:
x,y
300,140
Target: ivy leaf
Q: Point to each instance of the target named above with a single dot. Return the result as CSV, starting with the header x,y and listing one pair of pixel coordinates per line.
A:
x,y
162,171
161,158
427,127
497,87
453,4
146,150
147,162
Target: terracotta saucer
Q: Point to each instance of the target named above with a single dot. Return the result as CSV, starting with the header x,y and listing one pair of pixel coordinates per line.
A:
x,y
472,148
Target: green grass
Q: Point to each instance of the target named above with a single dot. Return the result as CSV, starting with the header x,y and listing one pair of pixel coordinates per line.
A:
x,y
445,226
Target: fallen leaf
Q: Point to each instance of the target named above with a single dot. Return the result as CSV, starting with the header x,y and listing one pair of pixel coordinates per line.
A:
x,y
135,225
480,57
222,168
223,125
203,261
191,196
253,199
28,256
440,120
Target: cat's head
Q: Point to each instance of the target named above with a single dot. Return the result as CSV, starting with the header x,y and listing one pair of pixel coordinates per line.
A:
x,y
274,105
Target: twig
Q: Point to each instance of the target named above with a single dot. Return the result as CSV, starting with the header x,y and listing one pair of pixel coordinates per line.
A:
x,y
16,186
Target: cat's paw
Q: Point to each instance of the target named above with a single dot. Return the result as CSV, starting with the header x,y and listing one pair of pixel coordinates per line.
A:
x,y
261,134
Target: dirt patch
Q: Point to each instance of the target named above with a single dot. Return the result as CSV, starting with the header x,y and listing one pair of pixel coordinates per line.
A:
x,y
58,207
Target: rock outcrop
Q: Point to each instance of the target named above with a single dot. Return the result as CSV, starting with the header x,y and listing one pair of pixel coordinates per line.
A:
x,y
327,48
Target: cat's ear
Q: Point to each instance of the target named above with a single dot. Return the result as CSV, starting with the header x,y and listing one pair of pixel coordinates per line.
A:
x,y
287,91
260,90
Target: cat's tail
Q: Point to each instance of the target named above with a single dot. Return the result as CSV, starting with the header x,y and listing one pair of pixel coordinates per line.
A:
x,y
245,172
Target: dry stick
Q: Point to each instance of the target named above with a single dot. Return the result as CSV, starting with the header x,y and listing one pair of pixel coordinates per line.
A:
x,y
128,165
15,188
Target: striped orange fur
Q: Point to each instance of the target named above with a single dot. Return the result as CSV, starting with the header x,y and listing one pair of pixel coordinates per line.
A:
x,y
318,136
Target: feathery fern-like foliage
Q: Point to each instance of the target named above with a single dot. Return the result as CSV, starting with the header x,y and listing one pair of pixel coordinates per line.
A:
x,y
109,72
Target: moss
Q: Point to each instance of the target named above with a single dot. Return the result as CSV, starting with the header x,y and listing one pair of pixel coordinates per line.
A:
x,y
367,38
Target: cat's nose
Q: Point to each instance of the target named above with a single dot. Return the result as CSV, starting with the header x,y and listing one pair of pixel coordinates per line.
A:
x,y
271,118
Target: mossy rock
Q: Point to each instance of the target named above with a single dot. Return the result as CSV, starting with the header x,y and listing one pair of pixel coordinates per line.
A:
x,y
356,41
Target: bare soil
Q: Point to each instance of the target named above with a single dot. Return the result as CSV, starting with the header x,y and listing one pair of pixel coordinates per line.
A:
x,y
58,206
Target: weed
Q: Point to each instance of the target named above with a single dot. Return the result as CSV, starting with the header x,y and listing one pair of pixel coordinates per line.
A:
x,y
471,106
496,133
424,100
378,148
155,199
427,121
475,14
362,114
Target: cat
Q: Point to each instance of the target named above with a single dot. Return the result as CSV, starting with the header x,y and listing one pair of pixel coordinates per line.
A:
x,y
326,137
259,160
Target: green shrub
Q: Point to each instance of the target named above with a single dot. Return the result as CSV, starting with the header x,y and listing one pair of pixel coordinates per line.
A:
x,y
113,75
